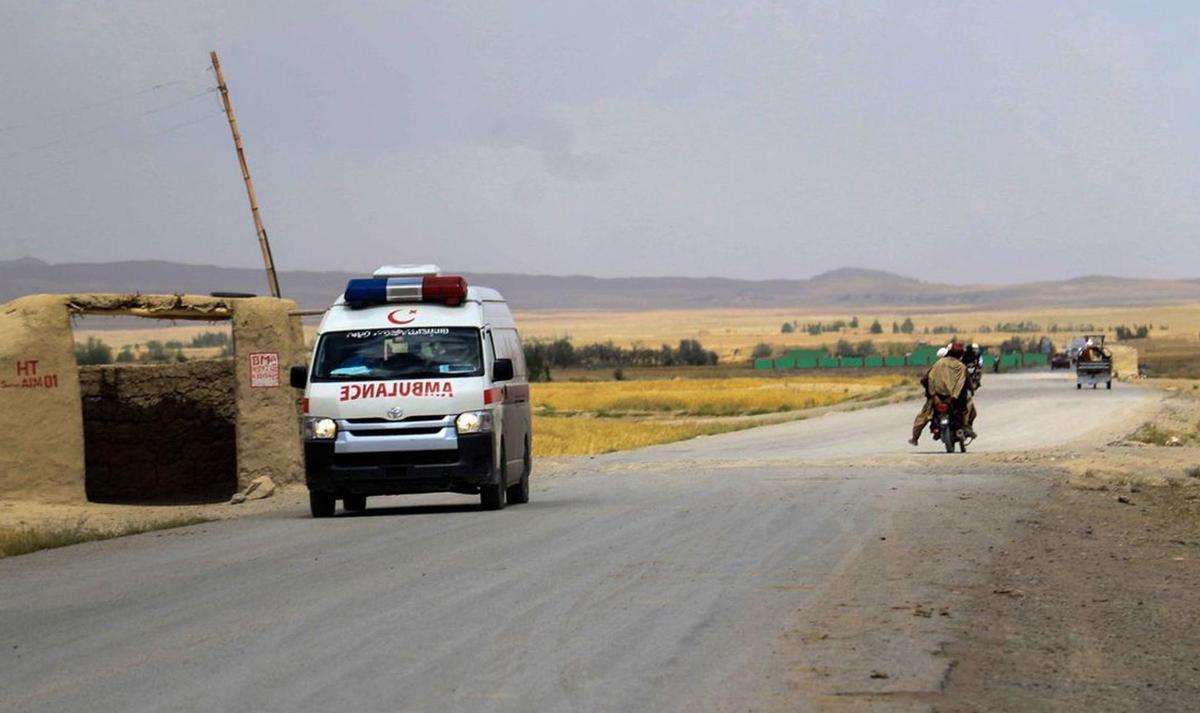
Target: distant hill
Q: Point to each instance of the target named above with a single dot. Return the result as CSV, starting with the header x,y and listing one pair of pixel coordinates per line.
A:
x,y
848,287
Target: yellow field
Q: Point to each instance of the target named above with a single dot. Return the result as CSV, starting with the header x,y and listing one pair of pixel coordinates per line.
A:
x,y
703,397
582,418
732,333
585,435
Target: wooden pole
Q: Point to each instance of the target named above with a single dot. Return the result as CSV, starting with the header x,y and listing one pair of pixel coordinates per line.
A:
x,y
268,261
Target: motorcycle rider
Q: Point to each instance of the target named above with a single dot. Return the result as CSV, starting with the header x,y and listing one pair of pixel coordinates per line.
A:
x,y
946,378
973,359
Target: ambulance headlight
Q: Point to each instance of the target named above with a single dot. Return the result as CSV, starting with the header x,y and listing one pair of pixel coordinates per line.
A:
x,y
320,429
474,422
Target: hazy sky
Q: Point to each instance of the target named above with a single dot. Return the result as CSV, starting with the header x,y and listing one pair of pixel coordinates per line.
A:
x,y
1002,141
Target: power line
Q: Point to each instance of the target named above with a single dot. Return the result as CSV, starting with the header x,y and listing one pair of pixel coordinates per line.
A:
x,y
109,124
37,119
105,148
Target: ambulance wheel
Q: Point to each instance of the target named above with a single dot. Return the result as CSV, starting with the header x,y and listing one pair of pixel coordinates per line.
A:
x,y
321,504
354,503
1108,385
1079,386
491,496
519,493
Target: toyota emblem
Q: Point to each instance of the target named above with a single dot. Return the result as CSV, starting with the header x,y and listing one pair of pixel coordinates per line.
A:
x,y
395,413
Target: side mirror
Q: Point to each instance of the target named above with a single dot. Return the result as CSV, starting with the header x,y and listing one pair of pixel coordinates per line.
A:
x,y
502,370
299,377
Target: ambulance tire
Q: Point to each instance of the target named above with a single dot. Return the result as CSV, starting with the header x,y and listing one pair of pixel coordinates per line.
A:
x,y
519,493
321,504
354,503
491,496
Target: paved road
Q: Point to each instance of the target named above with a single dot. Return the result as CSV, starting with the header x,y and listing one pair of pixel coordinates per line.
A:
x,y
774,569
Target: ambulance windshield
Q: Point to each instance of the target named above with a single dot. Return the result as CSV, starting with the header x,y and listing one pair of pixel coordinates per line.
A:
x,y
415,353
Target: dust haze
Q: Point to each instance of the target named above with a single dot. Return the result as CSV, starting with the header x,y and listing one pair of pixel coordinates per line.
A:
x,y
751,140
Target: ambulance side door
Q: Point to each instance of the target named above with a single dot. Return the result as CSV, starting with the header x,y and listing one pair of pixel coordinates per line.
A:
x,y
514,405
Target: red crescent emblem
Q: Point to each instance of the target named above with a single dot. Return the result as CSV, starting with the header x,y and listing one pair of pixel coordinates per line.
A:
x,y
408,317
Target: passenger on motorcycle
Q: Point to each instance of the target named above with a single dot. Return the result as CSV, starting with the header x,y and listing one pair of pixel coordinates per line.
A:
x,y
947,378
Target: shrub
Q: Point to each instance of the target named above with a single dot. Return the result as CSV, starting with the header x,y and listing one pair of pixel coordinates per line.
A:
x,y
93,352
210,339
762,350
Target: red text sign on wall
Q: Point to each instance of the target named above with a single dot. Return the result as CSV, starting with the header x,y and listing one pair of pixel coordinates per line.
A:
x,y
392,389
264,369
29,377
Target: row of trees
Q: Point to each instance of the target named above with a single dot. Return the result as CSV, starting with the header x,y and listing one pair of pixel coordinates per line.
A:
x,y
843,348
95,351
816,328
542,357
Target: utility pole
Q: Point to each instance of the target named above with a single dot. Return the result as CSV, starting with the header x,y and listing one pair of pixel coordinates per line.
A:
x,y
268,261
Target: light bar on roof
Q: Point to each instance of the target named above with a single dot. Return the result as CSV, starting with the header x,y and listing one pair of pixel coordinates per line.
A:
x,y
366,292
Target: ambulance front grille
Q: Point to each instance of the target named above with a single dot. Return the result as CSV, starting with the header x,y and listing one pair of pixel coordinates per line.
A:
x,y
394,459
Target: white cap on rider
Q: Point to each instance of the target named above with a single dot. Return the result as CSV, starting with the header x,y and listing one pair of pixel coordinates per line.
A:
x,y
942,352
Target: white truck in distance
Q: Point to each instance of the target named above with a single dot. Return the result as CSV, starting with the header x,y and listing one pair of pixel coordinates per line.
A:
x,y
417,384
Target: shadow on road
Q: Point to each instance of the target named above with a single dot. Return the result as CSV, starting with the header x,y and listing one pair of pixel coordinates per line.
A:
x,y
437,509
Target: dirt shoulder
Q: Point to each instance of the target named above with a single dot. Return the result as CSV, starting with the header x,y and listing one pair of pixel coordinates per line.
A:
x,y
1092,607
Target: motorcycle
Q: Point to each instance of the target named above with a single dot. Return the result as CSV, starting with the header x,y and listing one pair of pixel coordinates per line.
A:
x,y
947,424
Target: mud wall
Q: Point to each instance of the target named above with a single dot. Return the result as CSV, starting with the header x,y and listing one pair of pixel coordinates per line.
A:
x,y
267,341
41,420
41,428
159,433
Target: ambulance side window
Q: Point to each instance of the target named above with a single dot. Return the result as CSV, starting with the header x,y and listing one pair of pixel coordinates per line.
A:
x,y
510,348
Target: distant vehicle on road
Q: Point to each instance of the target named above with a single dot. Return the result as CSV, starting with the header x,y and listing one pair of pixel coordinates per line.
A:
x,y
1093,364
418,384
1060,360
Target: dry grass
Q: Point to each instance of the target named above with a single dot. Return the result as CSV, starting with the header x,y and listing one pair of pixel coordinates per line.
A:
x,y
703,397
23,540
585,418
588,435
1170,358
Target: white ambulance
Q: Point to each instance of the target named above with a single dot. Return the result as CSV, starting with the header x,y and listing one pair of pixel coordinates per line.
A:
x,y
417,384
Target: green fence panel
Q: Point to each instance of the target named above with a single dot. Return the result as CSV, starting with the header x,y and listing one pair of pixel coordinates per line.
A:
x,y
894,361
915,359
852,362
1010,361
926,352
763,363
988,361
807,362
785,363
798,354
827,363
873,362
1035,360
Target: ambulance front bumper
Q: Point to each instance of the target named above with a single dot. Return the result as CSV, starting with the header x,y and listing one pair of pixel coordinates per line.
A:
x,y
461,469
